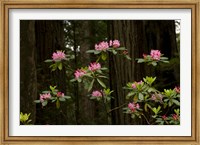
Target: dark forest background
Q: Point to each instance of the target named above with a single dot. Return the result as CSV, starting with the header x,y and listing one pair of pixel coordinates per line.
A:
x,y
40,38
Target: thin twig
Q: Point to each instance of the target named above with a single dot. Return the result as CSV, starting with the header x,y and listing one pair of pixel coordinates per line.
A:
x,y
145,118
117,107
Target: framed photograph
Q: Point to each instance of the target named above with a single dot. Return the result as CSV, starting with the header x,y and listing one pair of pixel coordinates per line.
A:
x,y
105,72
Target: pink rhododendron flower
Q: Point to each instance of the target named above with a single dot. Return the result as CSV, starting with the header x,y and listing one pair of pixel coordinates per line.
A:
x,y
155,54
60,94
102,46
133,106
96,94
79,73
110,43
136,83
137,106
45,96
116,43
177,89
157,97
144,56
153,97
59,55
133,85
94,66
125,52
164,117
140,82
175,116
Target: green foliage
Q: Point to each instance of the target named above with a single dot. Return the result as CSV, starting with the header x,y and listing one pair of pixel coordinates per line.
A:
x,y
52,95
150,61
24,118
149,80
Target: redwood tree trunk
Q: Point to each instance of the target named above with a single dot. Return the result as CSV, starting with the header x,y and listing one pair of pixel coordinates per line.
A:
x,y
49,38
28,75
138,37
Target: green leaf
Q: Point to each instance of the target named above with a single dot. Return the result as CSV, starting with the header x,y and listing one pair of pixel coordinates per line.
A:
x,y
164,58
132,116
88,75
92,97
127,57
61,99
158,109
101,83
91,85
103,56
140,60
99,71
67,97
48,60
79,80
90,51
44,103
72,80
57,104
151,90
154,63
53,67
52,88
141,96
121,48
103,77
104,68
53,98
53,101
114,52
145,107
97,52
154,110
176,102
165,100
37,101
45,92
60,66
135,99
165,61
170,103
130,94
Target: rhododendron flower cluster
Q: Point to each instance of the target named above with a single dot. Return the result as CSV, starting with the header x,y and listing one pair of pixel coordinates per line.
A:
x,y
125,52
177,89
175,116
79,73
45,96
60,94
133,106
96,94
158,97
114,43
155,54
94,66
144,55
164,117
102,46
59,55
136,83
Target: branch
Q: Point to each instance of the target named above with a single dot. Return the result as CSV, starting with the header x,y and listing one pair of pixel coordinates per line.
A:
x,y
117,107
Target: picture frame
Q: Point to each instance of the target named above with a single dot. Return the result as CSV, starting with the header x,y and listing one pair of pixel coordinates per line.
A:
x,y
144,4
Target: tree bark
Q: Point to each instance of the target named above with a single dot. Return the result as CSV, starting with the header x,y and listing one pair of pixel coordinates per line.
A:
x,y
28,75
138,37
49,38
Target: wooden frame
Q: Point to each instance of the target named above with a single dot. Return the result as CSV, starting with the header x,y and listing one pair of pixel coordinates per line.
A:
x,y
190,4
